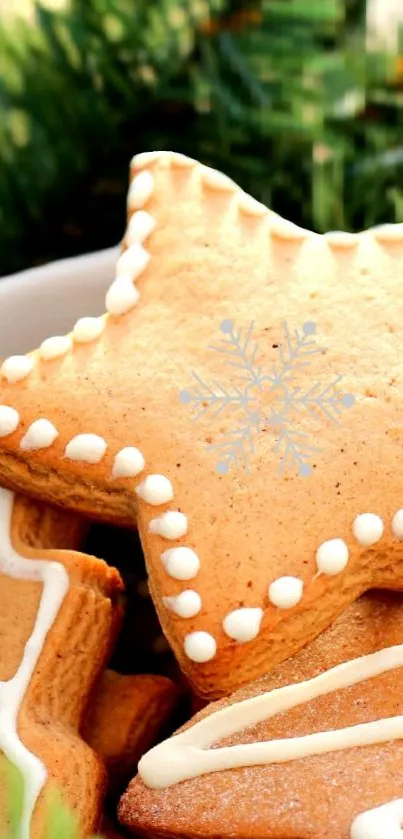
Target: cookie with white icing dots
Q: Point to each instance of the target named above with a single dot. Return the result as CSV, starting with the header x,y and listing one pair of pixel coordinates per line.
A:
x,y
59,614
313,750
247,561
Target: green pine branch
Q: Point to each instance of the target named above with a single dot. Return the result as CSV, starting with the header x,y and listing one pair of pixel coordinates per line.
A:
x,y
281,94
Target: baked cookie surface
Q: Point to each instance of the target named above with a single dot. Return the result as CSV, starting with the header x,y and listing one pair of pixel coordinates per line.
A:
x,y
246,565
347,792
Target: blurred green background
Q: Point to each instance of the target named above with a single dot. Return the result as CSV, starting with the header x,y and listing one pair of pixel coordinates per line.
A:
x,y
292,98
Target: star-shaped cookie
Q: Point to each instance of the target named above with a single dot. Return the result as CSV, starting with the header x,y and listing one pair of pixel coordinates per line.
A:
x,y
246,563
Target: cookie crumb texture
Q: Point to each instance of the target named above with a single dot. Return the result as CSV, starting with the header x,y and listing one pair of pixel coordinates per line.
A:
x,y
201,255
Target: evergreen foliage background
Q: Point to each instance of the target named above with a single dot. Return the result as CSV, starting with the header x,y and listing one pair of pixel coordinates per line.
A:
x,y
281,94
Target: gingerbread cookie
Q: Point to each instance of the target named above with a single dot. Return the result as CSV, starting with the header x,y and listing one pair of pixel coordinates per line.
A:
x,y
248,561
58,618
313,750
126,715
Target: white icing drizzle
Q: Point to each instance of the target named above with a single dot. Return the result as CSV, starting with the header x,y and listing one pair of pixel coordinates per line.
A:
x,y
171,525
367,529
243,624
139,228
187,604
155,490
285,592
181,563
87,330
55,582
385,822
397,524
55,347
121,296
140,190
190,754
128,463
41,434
132,262
200,647
332,557
9,420
87,447
17,367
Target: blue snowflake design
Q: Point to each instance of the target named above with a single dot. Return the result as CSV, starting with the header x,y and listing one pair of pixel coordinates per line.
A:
x,y
239,351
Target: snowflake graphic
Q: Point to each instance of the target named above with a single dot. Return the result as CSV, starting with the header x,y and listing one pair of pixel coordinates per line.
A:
x,y
286,401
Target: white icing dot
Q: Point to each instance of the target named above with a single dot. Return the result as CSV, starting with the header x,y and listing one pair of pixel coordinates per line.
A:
x,y
285,592
250,206
139,228
9,420
181,563
144,158
17,367
217,180
388,232
128,463
171,525
155,490
286,229
243,624
121,296
332,557
187,604
200,647
341,239
41,434
181,160
55,347
88,329
367,529
87,447
397,524
132,262
140,190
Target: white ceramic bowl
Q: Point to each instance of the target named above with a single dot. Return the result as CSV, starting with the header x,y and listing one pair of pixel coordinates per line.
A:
x,y
47,301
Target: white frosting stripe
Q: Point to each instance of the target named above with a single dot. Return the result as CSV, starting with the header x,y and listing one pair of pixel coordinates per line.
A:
x,y
188,755
55,586
383,822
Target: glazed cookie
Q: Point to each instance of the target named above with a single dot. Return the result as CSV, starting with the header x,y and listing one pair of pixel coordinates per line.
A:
x,y
311,751
58,618
262,520
126,716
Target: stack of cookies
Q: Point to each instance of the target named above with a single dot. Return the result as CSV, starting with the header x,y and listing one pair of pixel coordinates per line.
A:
x,y
202,523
